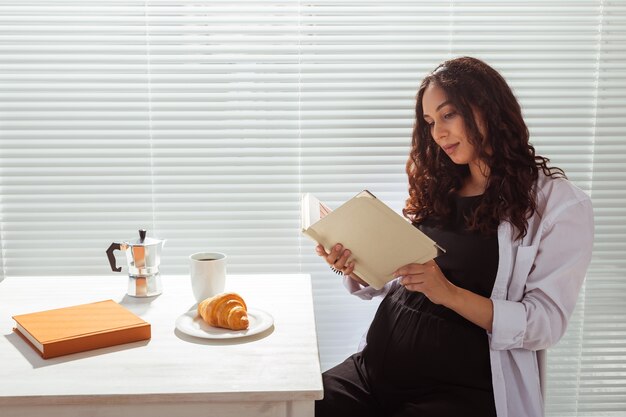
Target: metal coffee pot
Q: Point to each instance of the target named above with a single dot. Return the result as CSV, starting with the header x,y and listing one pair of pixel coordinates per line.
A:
x,y
143,257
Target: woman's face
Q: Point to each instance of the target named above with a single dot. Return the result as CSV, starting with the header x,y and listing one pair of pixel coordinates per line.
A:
x,y
447,126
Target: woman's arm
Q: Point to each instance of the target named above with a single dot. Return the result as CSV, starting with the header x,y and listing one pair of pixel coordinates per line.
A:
x,y
539,318
428,279
474,307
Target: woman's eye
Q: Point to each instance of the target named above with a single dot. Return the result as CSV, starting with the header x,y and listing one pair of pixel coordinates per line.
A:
x,y
449,115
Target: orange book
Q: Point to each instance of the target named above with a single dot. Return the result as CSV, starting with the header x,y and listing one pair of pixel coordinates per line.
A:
x,y
79,328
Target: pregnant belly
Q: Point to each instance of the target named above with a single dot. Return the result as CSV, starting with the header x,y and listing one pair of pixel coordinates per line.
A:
x,y
408,348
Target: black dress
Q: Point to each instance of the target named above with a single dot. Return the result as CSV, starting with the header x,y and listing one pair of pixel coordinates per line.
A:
x,y
423,359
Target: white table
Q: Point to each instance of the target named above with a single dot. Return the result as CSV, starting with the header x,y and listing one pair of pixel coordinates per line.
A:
x,y
275,373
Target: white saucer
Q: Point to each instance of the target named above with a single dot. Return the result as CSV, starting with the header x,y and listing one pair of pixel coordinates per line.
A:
x,y
193,325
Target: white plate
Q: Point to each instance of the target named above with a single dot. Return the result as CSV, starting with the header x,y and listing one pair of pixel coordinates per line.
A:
x,y
193,325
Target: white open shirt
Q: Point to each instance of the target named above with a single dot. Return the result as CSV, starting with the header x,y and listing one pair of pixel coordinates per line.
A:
x,y
534,294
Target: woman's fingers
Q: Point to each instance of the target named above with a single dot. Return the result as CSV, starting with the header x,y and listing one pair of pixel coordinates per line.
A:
x,y
335,254
343,260
330,256
337,257
415,269
414,287
407,280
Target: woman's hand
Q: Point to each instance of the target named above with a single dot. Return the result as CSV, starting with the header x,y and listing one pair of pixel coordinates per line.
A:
x,y
337,258
428,279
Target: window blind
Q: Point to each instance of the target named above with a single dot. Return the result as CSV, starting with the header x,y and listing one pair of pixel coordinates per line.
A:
x,y
224,131
203,121
75,131
177,117
602,381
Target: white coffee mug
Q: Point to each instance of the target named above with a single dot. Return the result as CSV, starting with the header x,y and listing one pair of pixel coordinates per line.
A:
x,y
208,274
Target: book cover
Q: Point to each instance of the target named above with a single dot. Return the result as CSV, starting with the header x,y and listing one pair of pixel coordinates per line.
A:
x,y
380,239
80,328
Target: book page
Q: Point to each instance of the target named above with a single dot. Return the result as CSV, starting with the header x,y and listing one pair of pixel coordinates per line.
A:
x,y
28,336
312,210
324,210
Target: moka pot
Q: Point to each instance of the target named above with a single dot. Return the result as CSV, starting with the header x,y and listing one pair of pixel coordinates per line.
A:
x,y
143,257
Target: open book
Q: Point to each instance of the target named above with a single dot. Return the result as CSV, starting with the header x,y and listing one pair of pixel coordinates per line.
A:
x,y
380,239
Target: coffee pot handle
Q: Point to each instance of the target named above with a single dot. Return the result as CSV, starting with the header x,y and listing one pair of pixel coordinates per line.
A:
x,y
114,246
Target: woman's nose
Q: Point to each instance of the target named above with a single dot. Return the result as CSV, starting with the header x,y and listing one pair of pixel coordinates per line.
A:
x,y
438,131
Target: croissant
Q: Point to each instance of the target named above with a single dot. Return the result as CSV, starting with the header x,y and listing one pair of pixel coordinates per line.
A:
x,y
227,310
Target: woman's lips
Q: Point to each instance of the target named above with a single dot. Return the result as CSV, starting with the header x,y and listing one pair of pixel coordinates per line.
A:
x,y
450,148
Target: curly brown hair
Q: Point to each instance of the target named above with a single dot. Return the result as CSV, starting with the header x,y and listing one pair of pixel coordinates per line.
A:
x,y
470,84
